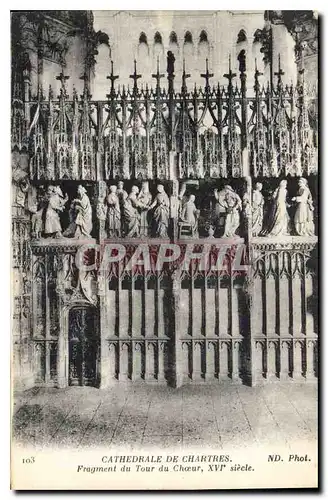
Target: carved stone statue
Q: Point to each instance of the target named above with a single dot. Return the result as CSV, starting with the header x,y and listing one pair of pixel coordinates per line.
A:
x,y
20,181
101,209
113,213
231,204
257,209
303,219
144,199
210,232
190,214
80,216
37,224
56,204
181,198
101,212
161,213
121,191
279,218
218,207
247,208
22,187
131,214
37,204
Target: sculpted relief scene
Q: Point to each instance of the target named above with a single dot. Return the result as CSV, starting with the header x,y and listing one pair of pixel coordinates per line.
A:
x,y
148,210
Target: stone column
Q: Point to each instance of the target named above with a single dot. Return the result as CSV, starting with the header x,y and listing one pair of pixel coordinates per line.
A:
x,y
150,354
107,357
62,354
235,347
124,361
161,363
310,359
178,356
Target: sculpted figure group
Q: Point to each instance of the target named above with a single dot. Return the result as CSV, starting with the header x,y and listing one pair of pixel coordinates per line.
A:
x,y
135,214
47,219
119,214
138,215
279,222
229,207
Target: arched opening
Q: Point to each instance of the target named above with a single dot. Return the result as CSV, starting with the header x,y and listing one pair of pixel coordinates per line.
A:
x,y
83,346
158,45
188,46
203,45
188,37
173,43
241,37
158,38
173,38
143,38
258,36
203,37
143,49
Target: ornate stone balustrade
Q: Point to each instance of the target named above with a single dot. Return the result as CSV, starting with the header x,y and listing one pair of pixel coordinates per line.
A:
x,y
217,131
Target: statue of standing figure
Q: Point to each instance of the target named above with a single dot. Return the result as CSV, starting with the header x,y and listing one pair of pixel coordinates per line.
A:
x,y
190,214
181,198
80,216
303,219
232,205
113,213
121,193
37,209
279,218
144,200
101,209
257,209
161,214
131,214
56,204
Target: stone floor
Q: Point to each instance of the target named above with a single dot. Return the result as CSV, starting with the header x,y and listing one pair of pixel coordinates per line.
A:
x,y
147,416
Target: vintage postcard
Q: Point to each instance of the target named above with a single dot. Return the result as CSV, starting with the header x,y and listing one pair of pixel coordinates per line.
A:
x,y
164,239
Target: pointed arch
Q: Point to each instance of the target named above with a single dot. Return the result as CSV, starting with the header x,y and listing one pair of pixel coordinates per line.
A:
x,y
143,38
203,45
158,38
258,36
188,37
143,49
241,36
203,37
173,39
158,49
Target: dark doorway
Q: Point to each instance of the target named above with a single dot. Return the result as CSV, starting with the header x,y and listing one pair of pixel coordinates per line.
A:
x,y
83,346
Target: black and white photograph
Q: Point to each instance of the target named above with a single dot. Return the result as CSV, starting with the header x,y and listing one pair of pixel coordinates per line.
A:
x,y
164,267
